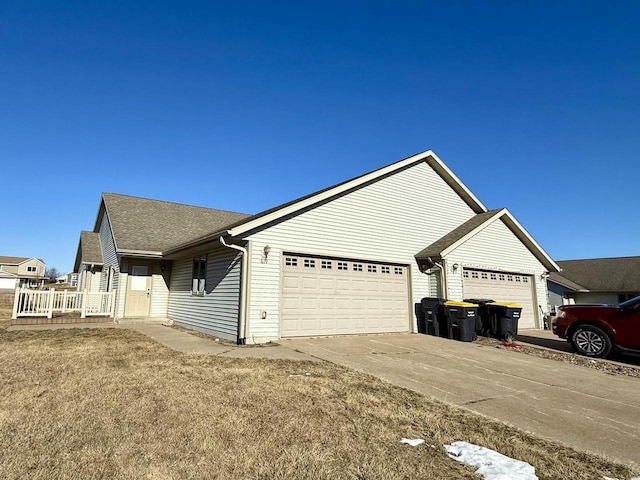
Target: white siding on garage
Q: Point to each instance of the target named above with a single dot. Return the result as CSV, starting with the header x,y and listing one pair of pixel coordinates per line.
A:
x,y
496,248
110,259
387,221
216,312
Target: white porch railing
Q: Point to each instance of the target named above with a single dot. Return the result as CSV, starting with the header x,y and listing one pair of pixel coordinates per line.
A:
x,y
43,303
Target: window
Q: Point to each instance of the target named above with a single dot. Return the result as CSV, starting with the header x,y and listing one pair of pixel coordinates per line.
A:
x,y
291,262
343,266
397,270
501,277
326,265
465,274
518,278
357,267
199,275
509,278
493,276
309,263
32,269
385,269
372,269
484,275
525,279
474,274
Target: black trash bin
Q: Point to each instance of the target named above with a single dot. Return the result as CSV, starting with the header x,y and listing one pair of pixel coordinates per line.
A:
x,y
433,309
483,319
461,317
504,318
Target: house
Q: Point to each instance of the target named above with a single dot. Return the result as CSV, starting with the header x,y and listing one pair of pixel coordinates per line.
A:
x,y
594,280
70,278
353,258
21,272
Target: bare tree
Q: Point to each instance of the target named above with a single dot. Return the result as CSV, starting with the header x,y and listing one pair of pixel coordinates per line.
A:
x,y
52,273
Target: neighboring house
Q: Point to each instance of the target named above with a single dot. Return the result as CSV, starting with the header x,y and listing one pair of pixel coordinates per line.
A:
x,y
88,264
595,280
21,272
70,278
353,258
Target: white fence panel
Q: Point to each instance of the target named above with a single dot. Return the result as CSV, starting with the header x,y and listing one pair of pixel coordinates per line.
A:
x,y
43,303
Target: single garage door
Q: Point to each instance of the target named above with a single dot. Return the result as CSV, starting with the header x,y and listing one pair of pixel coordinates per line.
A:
x,y
328,296
503,287
7,283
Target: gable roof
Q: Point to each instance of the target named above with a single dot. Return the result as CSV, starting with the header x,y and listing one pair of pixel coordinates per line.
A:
x,y
618,274
452,240
89,250
146,226
556,277
12,260
276,214
17,260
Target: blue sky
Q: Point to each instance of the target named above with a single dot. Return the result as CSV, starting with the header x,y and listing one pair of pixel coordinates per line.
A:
x,y
246,105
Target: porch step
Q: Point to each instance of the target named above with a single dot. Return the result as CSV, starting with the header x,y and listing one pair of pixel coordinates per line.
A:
x,y
143,320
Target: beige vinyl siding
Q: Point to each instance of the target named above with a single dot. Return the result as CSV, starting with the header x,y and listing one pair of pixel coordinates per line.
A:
x,y
595,298
159,292
217,311
33,262
387,221
496,248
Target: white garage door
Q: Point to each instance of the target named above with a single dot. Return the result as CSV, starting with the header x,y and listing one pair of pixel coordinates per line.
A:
x,y
7,283
327,296
503,287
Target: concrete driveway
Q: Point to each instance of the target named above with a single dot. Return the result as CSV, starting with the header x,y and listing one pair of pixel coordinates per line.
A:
x,y
584,408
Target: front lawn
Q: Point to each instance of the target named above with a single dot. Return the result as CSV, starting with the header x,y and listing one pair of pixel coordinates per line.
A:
x,y
110,403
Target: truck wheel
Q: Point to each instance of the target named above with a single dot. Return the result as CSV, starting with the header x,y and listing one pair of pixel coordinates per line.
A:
x,y
591,341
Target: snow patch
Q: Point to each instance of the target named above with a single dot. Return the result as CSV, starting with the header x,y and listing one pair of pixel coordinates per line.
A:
x,y
414,443
491,464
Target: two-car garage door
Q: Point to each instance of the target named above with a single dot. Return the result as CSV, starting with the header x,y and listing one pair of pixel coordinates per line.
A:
x,y
503,287
329,296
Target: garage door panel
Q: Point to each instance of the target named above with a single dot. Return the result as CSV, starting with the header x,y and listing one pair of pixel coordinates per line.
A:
x,y
328,297
503,287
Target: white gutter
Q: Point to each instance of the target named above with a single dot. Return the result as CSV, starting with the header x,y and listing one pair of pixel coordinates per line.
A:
x,y
242,327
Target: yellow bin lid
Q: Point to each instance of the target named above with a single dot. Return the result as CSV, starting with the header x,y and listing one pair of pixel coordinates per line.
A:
x,y
453,303
506,304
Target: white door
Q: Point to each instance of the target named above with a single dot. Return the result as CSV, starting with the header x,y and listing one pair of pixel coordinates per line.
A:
x,y
326,296
503,287
7,283
138,292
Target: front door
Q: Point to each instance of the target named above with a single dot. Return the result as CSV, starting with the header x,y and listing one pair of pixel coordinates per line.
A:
x,y
138,292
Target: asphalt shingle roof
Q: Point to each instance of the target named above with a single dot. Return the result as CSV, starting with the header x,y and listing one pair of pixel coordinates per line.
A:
x,y
91,251
620,274
436,248
12,260
146,225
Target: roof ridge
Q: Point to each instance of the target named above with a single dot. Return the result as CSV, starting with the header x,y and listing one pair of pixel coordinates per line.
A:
x,y
172,203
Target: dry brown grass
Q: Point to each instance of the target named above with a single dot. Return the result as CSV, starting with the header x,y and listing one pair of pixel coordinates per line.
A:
x,y
5,316
114,404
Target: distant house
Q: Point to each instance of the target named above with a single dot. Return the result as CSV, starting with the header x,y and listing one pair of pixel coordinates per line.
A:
x,y
88,264
21,272
353,258
70,278
594,280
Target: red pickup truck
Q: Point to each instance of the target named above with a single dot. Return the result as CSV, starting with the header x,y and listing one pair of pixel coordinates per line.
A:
x,y
598,330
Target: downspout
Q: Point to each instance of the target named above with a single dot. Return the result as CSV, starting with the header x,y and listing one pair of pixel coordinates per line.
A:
x,y
443,276
242,334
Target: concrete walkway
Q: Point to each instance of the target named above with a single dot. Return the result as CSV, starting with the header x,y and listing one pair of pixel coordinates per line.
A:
x,y
587,409
186,342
